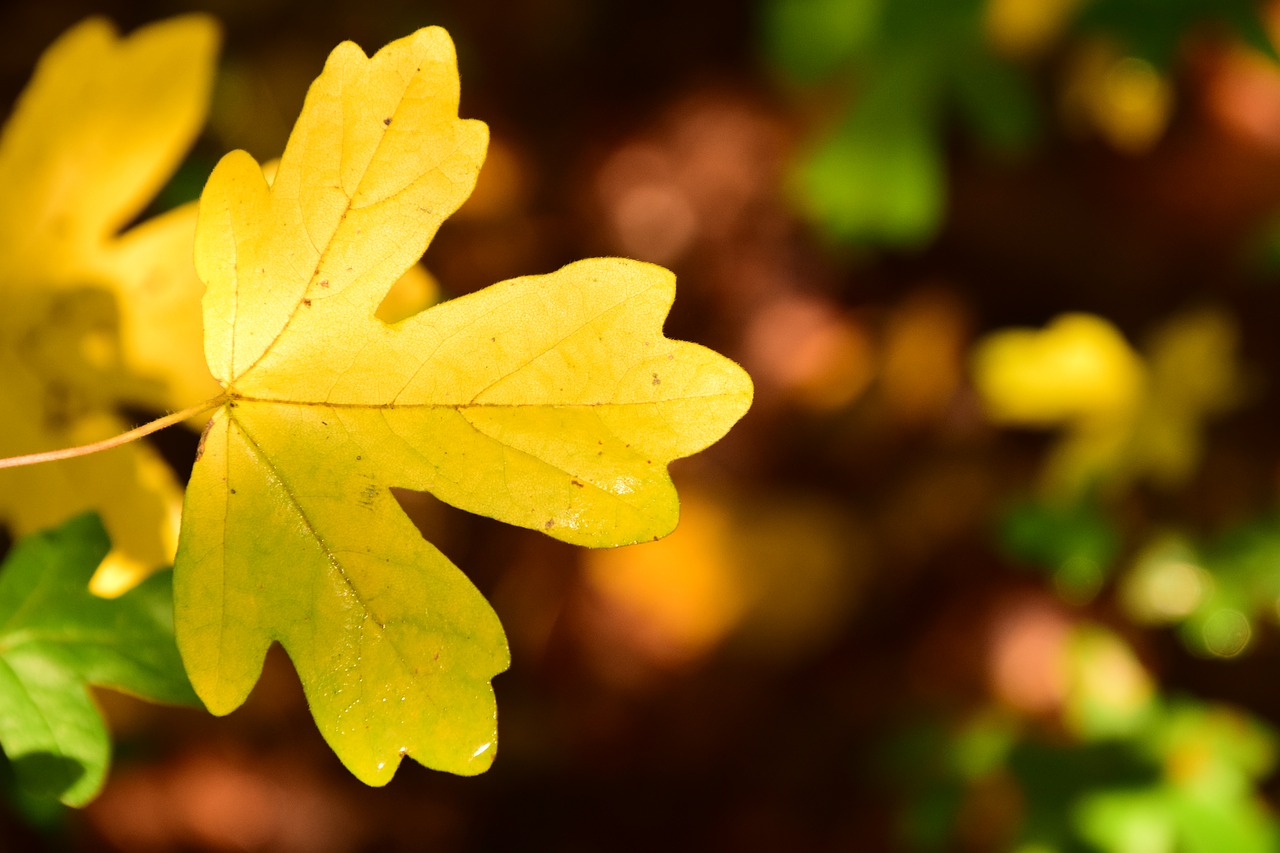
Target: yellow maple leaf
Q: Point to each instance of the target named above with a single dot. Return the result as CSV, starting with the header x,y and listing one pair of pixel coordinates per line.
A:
x,y
551,401
92,318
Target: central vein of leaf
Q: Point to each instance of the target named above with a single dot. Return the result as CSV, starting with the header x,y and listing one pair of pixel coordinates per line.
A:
x,y
280,481
332,559
543,404
51,739
323,253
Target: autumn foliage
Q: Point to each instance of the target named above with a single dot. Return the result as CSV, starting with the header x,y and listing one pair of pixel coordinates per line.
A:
x,y
553,402
981,556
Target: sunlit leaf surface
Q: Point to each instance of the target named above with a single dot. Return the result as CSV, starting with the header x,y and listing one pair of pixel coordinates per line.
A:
x,y
92,318
553,402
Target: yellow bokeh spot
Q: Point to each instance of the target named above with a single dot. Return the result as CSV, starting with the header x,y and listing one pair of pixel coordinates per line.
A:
x,y
1124,99
1023,28
679,596
1193,361
1079,367
502,187
1165,585
922,364
117,574
1109,690
414,291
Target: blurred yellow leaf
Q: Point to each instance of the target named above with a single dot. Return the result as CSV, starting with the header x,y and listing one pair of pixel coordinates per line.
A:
x,y
1077,369
94,319
1123,416
1193,375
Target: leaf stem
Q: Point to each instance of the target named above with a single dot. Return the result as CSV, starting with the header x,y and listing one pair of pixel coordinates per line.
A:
x,y
115,441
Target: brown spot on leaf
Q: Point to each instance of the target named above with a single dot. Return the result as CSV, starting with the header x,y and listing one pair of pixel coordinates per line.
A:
x,y
550,524
578,484
306,302
656,380
386,121
324,283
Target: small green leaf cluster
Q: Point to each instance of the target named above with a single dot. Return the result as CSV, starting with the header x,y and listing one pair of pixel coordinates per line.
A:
x,y
1182,777
898,75
1216,591
57,639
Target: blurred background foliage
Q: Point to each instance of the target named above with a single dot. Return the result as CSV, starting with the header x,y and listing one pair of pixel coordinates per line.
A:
x,y
993,563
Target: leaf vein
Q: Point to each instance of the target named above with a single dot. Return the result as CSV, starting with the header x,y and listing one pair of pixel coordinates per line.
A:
x,y
462,407
556,343
44,719
329,553
329,243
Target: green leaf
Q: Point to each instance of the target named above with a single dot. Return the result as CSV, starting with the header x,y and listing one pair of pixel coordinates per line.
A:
x,y
1126,820
553,402
56,638
879,176
998,102
811,39
1075,542
1236,823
